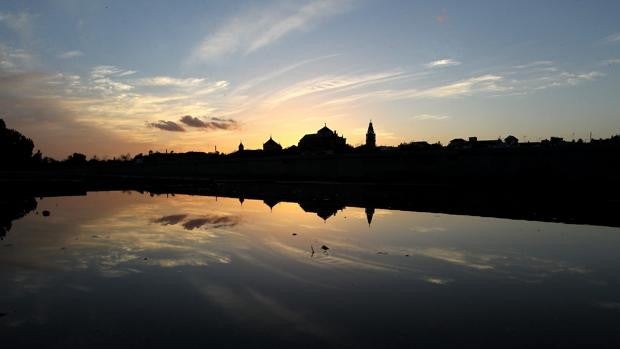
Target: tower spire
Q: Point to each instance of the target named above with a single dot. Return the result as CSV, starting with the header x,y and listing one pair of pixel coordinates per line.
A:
x,y
371,140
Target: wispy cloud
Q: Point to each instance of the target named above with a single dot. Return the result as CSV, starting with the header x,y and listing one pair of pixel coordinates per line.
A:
x,y
170,81
496,84
20,22
430,117
279,72
612,61
13,60
562,79
192,86
251,31
613,38
441,63
464,87
533,64
102,71
331,83
166,126
71,54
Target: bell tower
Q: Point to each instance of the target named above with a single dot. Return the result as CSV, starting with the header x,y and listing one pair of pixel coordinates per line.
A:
x,y
371,141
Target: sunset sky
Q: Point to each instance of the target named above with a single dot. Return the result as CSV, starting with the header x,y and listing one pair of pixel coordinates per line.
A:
x,y
114,77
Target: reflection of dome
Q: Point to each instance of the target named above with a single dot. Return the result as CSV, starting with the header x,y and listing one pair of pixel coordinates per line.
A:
x,y
323,140
322,208
271,202
271,145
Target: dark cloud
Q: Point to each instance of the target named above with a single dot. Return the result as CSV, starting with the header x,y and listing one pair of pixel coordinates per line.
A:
x,y
166,126
213,123
212,221
170,220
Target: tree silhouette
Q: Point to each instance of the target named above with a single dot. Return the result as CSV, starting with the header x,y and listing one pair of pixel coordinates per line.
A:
x,y
76,159
15,148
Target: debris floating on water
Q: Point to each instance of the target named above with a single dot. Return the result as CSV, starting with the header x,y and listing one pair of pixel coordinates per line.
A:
x,y
294,234
324,248
46,213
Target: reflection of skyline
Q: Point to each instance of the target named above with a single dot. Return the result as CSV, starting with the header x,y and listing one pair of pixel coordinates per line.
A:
x,y
142,256
169,234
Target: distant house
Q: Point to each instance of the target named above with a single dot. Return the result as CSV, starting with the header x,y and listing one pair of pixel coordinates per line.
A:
x,y
511,141
487,144
458,143
474,143
556,140
324,140
271,146
418,145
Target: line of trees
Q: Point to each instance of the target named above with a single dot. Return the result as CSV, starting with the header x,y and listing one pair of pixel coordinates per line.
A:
x,y
16,150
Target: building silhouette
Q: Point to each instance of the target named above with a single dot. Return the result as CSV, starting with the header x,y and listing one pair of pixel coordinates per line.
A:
x,y
271,146
371,140
241,147
324,140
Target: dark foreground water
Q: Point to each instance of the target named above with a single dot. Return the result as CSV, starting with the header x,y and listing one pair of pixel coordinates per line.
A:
x,y
120,269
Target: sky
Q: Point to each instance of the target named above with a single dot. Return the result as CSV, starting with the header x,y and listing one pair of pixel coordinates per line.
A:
x,y
114,77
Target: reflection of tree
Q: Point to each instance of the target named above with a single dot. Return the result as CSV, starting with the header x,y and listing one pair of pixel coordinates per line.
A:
x,y
322,208
12,208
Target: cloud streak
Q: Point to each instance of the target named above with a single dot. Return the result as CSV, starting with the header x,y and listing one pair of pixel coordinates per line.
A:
x,y
20,22
430,117
71,54
331,83
443,63
252,31
613,38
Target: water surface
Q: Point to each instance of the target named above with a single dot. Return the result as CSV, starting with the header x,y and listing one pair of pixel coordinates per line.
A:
x,y
127,268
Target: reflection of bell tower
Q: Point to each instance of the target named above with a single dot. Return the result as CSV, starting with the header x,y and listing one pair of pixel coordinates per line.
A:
x,y
370,211
371,140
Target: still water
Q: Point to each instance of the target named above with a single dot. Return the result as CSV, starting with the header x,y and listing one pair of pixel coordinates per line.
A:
x,y
128,269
